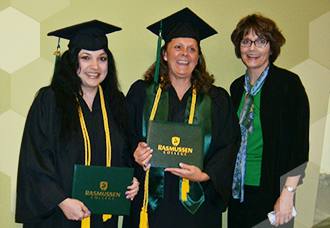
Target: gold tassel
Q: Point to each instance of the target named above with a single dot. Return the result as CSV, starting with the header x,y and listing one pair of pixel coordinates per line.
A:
x,y
85,223
143,218
57,53
184,189
144,209
105,217
58,49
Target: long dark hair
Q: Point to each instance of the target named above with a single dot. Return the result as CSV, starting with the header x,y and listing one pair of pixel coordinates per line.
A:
x,y
66,85
200,79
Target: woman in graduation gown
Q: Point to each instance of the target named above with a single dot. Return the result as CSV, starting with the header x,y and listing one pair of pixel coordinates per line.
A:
x,y
82,106
183,73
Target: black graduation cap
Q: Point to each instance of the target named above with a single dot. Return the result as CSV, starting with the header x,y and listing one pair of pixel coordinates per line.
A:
x,y
183,23
90,35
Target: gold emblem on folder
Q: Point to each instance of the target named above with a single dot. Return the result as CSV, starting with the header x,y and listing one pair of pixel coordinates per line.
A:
x,y
175,141
103,185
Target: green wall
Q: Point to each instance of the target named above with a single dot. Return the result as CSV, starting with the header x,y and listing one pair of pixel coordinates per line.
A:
x,y
26,64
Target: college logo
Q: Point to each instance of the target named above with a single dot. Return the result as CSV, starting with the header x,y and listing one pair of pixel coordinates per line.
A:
x,y
175,141
103,185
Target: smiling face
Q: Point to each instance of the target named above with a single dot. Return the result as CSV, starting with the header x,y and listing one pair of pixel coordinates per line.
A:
x,y
255,58
182,57
93,68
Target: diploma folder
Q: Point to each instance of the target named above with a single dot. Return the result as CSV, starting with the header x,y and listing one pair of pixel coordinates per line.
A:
x,y
102,189
174,142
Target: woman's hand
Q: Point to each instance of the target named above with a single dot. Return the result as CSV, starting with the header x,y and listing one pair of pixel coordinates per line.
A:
x,y
190,172
283,208
133,189
74,209
142,155
284,204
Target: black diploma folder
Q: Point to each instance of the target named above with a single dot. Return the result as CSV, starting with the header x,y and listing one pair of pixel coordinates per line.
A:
x,y
102,189
174,142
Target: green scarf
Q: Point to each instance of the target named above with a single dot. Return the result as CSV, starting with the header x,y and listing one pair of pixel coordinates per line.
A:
x,y
195,197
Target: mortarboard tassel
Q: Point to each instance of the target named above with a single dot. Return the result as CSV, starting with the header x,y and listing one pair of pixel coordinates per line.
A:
x,y
57,53
156,77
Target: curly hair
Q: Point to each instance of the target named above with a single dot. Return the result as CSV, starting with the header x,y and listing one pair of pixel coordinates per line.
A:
x,y
66,85
200,79
265,28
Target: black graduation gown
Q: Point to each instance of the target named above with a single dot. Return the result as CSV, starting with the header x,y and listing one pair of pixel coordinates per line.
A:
x,y
218,164
46,162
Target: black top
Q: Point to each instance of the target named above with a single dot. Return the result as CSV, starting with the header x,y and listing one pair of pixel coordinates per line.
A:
x,y
46,162
284,114
218,164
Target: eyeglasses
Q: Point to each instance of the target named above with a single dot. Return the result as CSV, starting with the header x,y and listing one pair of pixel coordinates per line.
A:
x,y
260,43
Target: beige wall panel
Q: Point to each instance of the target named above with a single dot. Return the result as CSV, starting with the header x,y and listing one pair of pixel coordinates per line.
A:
x,y
306,197
325,160
40,9
25,83
10,140
316,80
316,138
6,215
5,82
4,4
319,40
19,40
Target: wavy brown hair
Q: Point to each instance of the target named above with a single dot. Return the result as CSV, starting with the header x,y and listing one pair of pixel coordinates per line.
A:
x,y
200,78
265,28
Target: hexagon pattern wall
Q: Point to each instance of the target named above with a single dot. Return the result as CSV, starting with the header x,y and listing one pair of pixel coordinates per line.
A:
x,y
19,40
32,7
23,72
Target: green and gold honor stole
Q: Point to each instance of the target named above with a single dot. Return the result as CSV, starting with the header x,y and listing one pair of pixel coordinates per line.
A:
x,y
198,111
85,223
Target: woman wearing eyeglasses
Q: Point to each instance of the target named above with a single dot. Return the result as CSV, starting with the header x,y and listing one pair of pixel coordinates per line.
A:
x,y
273,111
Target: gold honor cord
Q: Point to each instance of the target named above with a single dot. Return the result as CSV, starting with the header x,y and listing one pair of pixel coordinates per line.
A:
x,y
106,127
144,209
85,223
185,182
86,137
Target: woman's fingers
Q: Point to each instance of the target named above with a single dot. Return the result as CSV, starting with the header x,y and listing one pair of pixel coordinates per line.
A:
x,y
133,189
142,154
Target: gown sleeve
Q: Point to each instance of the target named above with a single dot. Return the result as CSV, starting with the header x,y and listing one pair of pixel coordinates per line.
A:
x,y
38,183
220,161
127,156
135,99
